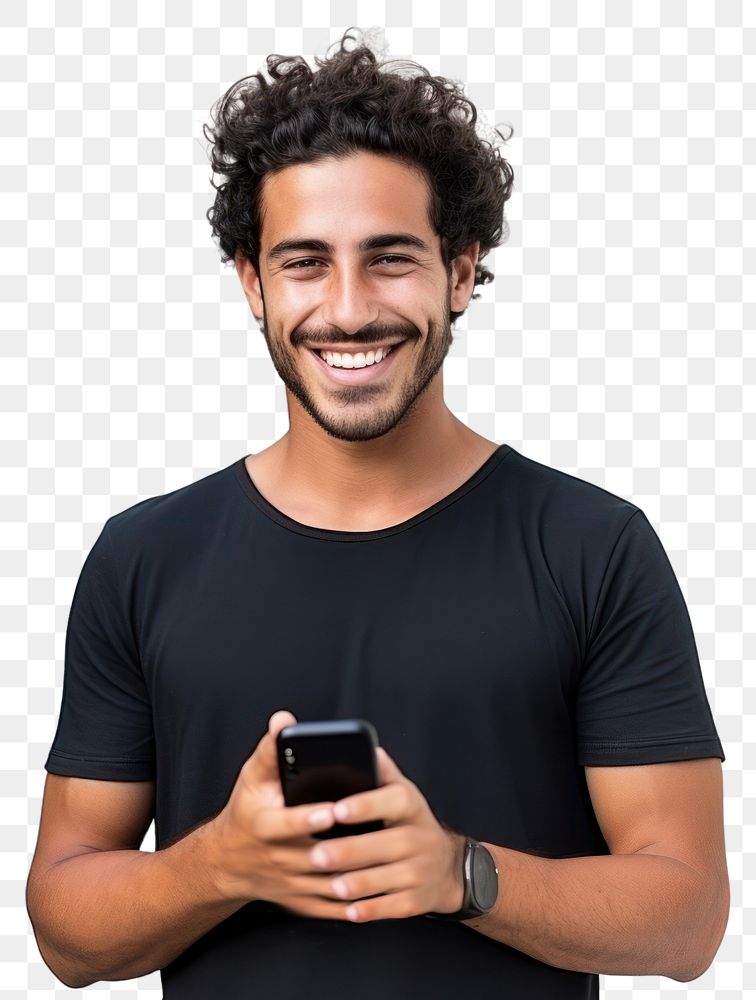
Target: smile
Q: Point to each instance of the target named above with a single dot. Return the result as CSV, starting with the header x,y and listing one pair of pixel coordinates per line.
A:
x,y
357,360
357,374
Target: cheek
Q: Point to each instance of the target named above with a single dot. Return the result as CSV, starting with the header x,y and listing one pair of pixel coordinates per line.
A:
x,y
416,299
293,304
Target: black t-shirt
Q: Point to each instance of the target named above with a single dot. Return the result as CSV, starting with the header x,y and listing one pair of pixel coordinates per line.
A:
x,y
526,625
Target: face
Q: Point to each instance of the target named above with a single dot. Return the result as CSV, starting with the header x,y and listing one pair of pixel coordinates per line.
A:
x,y
349,263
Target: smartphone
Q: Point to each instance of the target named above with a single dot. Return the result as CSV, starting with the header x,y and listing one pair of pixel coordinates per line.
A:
x,y
326,761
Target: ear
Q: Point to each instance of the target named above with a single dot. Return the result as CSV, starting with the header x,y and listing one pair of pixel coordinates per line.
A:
x,y
463,277
250,282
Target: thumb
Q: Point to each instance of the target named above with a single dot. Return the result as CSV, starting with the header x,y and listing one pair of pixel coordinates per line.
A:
x,y
279,720
388,771
264,759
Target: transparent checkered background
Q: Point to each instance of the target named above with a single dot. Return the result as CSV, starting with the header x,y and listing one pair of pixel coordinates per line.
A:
x,y
616,342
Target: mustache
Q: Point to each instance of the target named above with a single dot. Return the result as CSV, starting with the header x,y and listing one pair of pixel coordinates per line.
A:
x,y
367,335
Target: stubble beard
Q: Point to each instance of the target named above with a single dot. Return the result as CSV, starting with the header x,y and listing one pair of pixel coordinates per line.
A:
x,y
354,419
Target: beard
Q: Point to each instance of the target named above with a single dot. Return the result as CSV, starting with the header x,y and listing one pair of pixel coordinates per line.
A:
x,y
364,412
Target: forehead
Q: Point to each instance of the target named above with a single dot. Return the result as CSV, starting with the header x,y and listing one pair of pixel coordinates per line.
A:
x,y
345,198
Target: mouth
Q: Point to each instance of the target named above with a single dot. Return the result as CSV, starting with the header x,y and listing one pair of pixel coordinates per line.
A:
x,y
359,376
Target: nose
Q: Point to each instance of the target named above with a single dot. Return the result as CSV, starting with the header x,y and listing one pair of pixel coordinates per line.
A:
x,y
349,302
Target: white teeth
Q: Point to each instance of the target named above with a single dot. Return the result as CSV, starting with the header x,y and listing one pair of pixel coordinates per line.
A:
x,y
358,360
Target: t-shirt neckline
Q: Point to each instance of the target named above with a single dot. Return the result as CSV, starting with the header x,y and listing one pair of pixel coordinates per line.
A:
x,y
335,535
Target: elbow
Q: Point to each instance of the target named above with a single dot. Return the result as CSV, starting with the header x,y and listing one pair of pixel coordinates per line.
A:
x,y
72,982
72,977
688,977
688,974
64,971
708,943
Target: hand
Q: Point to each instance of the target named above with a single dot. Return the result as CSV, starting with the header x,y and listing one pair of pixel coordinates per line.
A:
x,y
260,846
412,867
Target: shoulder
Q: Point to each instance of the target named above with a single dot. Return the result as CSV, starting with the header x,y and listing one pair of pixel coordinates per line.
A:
x,y
173,522
574,536
564,507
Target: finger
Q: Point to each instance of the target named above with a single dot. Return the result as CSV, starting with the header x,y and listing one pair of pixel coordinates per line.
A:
x,y
304,883
389,906
392,803
388,770
279,720
366,850
393,878
313,905
291,822
262,764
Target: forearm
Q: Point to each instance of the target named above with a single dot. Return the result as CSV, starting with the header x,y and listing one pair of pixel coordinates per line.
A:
x,y
622,915
109,915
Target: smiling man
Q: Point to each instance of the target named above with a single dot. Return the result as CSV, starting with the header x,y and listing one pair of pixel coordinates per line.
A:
x,y
550,784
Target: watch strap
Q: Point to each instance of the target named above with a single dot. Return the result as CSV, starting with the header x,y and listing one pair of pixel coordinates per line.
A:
x,y
469,908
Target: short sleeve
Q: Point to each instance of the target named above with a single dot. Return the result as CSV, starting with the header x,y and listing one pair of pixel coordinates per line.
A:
x,y
641,698
105,726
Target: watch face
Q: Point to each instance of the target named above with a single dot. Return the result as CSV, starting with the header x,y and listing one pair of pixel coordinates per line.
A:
x,y
484,877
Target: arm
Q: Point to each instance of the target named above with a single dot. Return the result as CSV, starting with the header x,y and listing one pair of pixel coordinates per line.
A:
x,y
658,905
102,909
143,909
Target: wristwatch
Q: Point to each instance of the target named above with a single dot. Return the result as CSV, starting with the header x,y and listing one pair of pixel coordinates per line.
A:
x,y
481,882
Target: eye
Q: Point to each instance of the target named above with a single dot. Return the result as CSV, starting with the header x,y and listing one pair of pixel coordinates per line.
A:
x,y
395,257
306,262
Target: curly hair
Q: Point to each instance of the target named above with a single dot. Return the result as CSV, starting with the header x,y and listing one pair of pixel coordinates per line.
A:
x,y
352,102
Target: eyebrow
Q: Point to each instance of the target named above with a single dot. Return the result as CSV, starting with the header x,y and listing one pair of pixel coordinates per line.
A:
x,y
378,242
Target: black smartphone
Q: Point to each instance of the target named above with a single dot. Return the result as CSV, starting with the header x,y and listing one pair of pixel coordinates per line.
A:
x,y
326,761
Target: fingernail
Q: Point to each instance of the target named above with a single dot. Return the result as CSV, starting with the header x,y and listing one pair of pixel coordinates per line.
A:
x,y
339,887
341,811
320,817
319,858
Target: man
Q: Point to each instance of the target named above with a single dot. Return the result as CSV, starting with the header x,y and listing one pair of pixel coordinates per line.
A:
x,y
513,633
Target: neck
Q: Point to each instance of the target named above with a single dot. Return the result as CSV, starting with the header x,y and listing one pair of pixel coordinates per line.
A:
x,y
349,482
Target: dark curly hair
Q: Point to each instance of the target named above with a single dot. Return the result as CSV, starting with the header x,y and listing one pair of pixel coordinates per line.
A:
x,y
351,102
